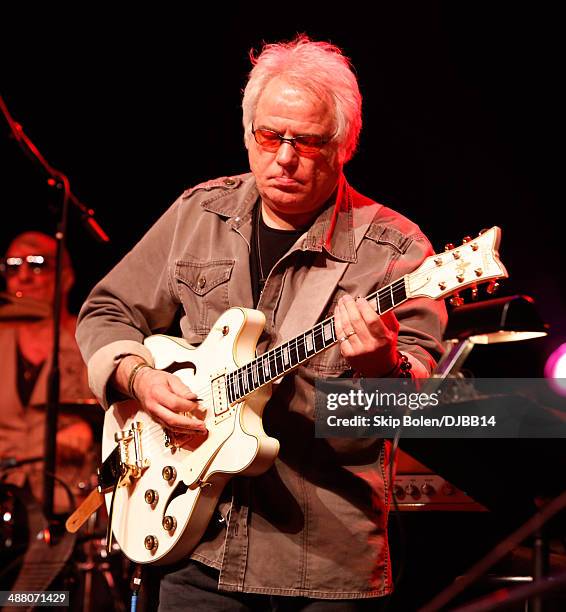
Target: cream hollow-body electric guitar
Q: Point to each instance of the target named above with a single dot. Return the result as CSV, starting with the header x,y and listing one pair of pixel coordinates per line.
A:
x,y
160,498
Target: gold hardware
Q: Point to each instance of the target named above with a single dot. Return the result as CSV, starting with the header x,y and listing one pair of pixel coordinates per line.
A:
x,y
456,300
460,278
169,473
474,246
478,271
442,286
474,292
151,497
449,246
492,287
169,523
438,261
456,255
151,543
466,239
225,330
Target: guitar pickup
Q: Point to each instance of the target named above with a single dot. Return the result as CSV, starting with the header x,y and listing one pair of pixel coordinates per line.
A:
x,y
220,402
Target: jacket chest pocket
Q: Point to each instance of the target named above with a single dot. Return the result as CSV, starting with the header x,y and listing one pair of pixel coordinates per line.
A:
x,y
203,290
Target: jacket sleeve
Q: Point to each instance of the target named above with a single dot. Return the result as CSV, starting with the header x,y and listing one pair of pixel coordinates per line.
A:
x,y
134,300
421,320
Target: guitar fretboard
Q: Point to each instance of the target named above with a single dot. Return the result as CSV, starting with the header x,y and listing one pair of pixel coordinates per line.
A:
x,y
287,356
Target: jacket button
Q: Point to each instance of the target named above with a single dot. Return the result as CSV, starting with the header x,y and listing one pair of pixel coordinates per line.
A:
x,y
201,282
229,182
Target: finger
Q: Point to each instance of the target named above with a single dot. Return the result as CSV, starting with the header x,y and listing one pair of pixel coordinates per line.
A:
x,y
179,388
338,322
164,396
355,330
344,331
176,422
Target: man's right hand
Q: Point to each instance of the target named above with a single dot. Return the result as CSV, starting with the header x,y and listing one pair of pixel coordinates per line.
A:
x,y
164,396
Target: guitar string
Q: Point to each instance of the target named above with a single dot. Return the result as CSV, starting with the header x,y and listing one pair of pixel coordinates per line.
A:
x,y
237,378
156,430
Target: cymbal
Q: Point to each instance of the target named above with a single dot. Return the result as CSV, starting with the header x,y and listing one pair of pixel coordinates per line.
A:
x,y
14,310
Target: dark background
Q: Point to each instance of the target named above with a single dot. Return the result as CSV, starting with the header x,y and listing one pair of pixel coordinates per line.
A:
x,y
460,121
462,131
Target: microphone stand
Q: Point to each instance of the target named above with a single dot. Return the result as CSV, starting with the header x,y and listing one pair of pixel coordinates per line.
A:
x,y
58,180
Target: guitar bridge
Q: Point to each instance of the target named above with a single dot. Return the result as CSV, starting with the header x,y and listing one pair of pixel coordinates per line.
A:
x,y
132,461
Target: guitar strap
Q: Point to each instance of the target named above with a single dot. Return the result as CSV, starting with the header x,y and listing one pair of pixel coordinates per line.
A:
x,y
321,281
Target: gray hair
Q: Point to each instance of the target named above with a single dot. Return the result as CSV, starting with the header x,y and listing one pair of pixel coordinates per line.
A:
x,y
319,67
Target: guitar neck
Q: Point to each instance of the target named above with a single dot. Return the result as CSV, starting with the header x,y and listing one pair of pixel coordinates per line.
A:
x,y
286,357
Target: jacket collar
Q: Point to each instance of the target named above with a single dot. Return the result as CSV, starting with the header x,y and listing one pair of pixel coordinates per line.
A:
x,y
332,231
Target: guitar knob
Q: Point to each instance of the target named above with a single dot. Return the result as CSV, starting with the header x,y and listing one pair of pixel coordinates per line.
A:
x,y
448,247
169,523
466,239
456,300
151,543
151,497
169,473
492,287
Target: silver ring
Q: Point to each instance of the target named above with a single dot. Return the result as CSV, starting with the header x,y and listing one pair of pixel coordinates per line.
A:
x,y
350,333
343,339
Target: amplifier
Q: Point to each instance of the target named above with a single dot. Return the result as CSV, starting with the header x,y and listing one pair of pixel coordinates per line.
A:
x,y
416,488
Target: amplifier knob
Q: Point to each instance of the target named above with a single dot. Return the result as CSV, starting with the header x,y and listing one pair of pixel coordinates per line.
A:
x,y
428,490
399,492
448,489
413,491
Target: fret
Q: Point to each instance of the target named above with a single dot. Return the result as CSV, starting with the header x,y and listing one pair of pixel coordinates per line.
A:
x,y
301,350
318,339
309,343
377,304
328,333
266,368
286,360
296,360
279,365
229,383
255,374
260,371
249,378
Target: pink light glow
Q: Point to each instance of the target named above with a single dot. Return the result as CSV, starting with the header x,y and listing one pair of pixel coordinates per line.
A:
x,y
555,369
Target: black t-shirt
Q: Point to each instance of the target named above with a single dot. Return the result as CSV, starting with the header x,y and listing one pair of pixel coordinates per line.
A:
x,y
267,247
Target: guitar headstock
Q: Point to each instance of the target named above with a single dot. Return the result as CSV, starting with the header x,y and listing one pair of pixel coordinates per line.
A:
x,y
474,262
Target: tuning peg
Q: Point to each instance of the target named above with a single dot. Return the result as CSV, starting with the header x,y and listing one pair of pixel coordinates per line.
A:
x,y
492,287
466,239
448,247
483,231
474,292
456,300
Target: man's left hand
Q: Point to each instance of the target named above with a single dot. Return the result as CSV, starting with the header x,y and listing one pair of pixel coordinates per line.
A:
x,y
368,340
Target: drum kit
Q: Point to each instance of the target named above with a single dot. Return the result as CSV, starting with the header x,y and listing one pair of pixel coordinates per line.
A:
x,y
29,543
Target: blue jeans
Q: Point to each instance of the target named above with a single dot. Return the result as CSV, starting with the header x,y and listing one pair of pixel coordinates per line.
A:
x,y
195,587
